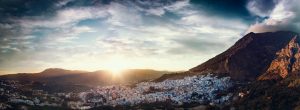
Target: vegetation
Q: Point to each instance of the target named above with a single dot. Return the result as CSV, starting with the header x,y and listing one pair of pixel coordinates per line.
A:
x,y
271,95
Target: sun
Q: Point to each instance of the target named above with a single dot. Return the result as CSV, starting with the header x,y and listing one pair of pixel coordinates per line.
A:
x,y
116,66
116,70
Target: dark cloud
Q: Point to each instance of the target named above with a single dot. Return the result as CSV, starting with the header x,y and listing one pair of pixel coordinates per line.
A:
x,y
79,3
264,5
284,16
261,8
14,9
21,8
144,4
225,8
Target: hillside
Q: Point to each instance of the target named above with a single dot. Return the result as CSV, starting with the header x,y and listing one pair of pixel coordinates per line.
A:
x,y
270,95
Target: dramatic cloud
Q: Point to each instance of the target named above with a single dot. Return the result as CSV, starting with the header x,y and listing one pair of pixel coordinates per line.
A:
x,y
261,8
284,16
63,18
158,34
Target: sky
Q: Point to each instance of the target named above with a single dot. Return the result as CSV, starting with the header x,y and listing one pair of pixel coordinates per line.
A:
x,y
93,35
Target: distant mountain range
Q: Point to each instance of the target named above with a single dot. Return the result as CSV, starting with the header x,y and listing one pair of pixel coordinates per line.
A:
x,y
76,77
262,56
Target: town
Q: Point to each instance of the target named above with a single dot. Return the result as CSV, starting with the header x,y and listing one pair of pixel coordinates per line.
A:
x,y
201,89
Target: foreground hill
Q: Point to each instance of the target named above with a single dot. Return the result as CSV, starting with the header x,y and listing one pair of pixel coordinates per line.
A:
x,y
269,95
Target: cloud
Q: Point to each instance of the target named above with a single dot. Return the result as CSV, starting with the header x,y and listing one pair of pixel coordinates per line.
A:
x,y
144,33
7,48
200,46
159,9
63,18
206,35
120,15
66,35
21,8
193,34
285,16
115,11
63,3
201,20
13,38
61,27
261,8
225,8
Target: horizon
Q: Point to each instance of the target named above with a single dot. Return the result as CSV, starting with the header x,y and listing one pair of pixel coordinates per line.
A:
x,y
171,35
105,70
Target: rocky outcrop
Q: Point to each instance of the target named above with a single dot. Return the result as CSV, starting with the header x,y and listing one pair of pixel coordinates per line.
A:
x,y
286,63
273,55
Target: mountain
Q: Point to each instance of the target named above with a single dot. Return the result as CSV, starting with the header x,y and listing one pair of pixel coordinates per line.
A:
x,y
54,72
286,63
268,62
142,74
270,55
263,56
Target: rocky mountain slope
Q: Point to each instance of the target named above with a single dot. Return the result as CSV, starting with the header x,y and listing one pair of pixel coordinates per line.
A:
x,y
271,54
287,62
263,56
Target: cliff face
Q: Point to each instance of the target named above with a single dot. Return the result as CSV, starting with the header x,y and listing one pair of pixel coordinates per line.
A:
x,y
286,63
268,55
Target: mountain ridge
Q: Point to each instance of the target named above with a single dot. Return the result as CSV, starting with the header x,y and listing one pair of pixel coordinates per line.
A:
x,y
248,59
95,78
